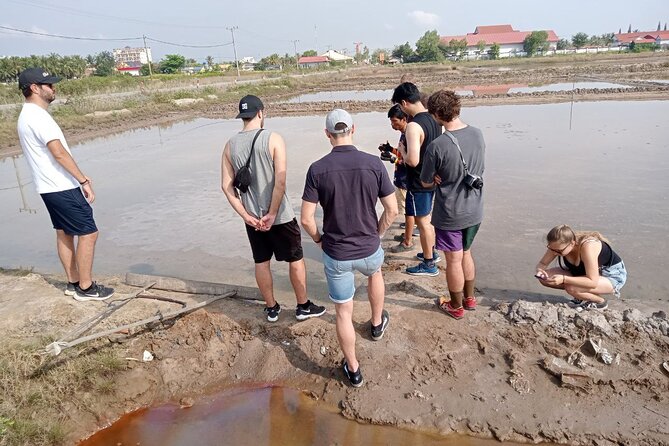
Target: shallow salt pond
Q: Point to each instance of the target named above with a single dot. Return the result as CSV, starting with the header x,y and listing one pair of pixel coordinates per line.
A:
x,y
469,90
160,209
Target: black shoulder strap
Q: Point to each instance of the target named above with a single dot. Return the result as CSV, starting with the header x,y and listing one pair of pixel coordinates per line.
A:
x,y
455,141
248,161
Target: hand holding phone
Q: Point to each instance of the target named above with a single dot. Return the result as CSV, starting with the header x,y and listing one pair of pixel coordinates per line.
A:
x,y
541,275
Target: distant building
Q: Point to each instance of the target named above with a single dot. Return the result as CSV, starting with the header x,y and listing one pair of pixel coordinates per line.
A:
x,y
133,71
510,41
336,56
247,63
313,61
659,37
132,56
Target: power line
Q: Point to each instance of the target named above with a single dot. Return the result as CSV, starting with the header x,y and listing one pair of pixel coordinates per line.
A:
x,y
114,39
189,46
66,37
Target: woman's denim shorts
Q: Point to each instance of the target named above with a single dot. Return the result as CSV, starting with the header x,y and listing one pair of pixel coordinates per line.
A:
x,y
617,275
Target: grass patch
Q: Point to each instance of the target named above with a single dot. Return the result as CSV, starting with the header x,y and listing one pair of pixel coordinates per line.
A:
x,y
38,393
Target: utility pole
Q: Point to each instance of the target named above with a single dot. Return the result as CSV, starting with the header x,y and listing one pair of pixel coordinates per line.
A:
x,y
316,36
297,58
234,47
146,51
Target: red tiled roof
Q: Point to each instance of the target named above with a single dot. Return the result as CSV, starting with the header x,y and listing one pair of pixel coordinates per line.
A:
x,y
500,38
313,59
642,36
493,29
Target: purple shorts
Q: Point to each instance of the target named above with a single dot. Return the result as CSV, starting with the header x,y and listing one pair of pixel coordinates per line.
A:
x,y
459,240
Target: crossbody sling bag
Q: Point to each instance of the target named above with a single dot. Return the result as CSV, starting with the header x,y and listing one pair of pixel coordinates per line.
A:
x,y
243,176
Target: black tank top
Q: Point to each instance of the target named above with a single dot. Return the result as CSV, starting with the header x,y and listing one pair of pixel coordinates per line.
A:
x,y
607,257
431,129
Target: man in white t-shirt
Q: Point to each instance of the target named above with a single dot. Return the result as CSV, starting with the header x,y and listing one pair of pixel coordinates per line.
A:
x,y
65,190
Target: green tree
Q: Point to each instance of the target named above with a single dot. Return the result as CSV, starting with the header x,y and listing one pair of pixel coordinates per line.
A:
x,y
535,42
480,47
375,57
608,39
579,40
172,63
209,61
404,52
562,44
144,71
455,49
493,52
104,64
267,61
427,47
308,53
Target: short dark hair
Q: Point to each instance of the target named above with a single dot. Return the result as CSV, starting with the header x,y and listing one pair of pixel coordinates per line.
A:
x,y
444,104
396,112
406,91
27,92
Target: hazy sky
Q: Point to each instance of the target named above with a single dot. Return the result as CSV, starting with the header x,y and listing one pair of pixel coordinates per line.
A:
x,y
266,27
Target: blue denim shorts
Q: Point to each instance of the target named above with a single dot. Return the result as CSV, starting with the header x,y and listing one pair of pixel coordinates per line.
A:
x,y
340,274
617,275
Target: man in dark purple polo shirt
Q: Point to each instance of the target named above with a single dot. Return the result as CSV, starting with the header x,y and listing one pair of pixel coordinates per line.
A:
x,y
347,184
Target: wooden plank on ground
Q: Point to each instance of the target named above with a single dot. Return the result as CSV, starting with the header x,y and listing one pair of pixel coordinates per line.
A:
x,y
191,286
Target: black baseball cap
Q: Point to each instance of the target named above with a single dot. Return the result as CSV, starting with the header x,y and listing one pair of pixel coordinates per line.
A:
x,y
249,106
36,75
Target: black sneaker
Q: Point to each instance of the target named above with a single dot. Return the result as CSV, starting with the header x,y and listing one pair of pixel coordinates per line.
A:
x,y
71,288
355,378
273,312
308,310
575,303
93,292
595,306
378,330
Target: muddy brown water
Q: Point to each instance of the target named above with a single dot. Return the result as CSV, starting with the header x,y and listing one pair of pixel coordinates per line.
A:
x,y
160,209
274,416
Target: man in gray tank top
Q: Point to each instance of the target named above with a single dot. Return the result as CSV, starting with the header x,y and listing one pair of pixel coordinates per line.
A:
x,y
270,222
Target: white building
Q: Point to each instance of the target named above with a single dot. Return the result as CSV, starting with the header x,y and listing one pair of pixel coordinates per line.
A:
x,y
510,41
132,56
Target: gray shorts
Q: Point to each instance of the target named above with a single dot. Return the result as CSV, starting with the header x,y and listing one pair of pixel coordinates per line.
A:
x,y
617,275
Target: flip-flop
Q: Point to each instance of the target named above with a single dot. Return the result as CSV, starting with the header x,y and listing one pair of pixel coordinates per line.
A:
x,y
665,366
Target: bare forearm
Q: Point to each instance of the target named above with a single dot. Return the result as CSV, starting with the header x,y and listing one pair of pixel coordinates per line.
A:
x,y
386,220
277,197
65,159
236,203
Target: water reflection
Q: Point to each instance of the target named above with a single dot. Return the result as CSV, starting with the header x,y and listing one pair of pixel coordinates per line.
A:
x,y
466,90
272,416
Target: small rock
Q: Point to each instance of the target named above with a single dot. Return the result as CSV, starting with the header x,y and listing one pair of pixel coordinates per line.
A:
x,y
186,402
660,315
324,350
632,315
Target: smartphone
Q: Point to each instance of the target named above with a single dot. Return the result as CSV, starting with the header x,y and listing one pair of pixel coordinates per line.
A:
x,y
540,276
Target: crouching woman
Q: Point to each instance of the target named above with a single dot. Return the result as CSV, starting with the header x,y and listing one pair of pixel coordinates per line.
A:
x,y
587,267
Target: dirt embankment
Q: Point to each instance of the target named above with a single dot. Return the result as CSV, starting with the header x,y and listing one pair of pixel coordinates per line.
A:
x,y
514,370
610,68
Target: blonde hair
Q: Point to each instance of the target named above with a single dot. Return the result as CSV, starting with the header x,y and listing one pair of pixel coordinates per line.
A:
x,y
564,234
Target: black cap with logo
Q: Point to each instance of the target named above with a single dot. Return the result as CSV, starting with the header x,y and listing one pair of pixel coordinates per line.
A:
x,y
36,75
249,106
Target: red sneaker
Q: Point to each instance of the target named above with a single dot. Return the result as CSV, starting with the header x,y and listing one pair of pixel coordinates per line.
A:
x,y
455,313
469,303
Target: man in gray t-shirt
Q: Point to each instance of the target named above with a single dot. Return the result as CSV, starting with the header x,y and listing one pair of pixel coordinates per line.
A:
x,y
455,163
